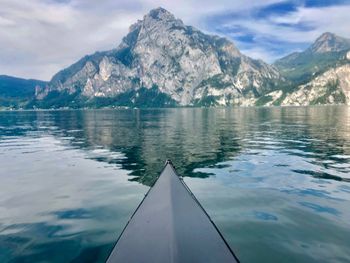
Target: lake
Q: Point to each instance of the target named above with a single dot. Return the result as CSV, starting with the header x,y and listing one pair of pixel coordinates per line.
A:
x,y
276,181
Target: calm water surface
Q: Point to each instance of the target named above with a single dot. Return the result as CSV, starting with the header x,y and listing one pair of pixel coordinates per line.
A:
x,y
276,181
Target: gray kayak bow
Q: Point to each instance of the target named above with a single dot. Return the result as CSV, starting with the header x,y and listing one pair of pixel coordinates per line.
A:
x,y
170,225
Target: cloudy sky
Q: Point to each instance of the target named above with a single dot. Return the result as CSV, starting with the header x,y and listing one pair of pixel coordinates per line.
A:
x,y
40,37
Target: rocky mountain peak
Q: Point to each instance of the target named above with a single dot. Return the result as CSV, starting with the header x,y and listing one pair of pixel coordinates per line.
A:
x,y
158,20
156,17
161,54
160,14
329,42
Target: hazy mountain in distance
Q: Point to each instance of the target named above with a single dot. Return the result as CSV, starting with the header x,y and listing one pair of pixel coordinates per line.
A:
x,y
16,92
324,53
318,75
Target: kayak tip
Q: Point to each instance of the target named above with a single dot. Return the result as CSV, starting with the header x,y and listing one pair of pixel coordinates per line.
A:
x,y
168,161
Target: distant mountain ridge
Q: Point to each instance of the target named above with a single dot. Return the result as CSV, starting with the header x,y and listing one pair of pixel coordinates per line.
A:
x,y
318,75
162,62
16,92
324,53
329,42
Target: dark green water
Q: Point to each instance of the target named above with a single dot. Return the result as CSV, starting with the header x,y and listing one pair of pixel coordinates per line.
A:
x,y
275,181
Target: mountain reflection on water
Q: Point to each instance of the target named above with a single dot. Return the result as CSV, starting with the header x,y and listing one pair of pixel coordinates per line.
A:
x,y
265,171
196,138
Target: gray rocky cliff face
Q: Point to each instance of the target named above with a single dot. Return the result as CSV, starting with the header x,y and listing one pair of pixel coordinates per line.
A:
x,y
162,53
331,87
320,74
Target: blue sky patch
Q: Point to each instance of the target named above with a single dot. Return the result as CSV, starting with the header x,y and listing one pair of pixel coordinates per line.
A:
x,y
324,3
278,8
269,27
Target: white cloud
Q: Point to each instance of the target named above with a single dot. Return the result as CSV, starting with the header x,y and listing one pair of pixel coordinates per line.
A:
x,y
261,53
44,37
40,37
334,19
6,22
326,19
